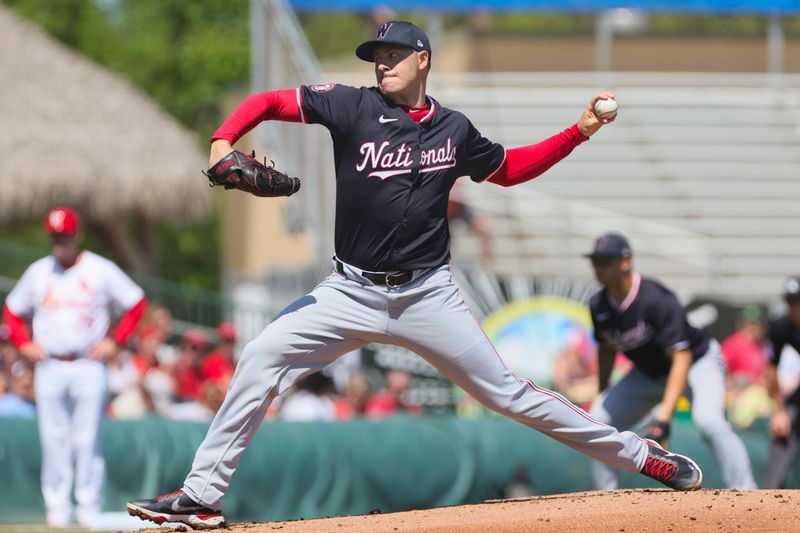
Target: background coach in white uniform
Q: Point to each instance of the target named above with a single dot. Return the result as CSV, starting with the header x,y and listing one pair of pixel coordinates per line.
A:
x,y
68,296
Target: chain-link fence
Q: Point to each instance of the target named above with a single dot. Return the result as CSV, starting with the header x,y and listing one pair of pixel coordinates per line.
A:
x,y
188,305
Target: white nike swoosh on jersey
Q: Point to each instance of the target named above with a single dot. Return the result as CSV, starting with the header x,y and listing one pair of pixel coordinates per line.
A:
x,y
383,174
384,120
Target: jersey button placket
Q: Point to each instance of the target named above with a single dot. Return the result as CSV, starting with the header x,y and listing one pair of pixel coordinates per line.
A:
x,y
400,236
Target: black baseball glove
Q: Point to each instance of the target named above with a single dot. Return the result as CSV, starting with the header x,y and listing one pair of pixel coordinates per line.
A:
x,y
251,176
659,432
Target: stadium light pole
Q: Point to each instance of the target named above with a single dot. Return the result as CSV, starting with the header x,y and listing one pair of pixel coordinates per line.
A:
x,y
603,41
775,48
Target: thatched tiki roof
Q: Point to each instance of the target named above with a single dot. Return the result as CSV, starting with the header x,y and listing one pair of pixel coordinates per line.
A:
x,y
76,134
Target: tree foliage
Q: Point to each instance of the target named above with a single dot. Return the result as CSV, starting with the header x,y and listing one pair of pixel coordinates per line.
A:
x,y
334,34
184,54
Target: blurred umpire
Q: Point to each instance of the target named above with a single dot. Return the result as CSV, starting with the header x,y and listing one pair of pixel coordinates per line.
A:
x,y
784,425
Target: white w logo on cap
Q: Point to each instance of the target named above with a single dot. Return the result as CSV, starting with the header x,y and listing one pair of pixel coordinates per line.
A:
x,y
383,30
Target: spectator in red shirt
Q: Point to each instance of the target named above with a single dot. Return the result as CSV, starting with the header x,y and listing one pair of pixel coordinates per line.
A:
x,y
391,399
745,350
575,370
219,365
153,389
747,357
186,371
354,401
8,352
147,342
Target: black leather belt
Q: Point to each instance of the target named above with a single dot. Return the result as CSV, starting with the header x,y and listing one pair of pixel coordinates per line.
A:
x,y
390,279
67,357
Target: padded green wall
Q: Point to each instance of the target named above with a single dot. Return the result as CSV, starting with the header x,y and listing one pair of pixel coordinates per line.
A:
x,y
294,470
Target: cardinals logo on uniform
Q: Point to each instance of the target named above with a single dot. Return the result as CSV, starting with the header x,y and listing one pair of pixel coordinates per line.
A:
x,y
56,220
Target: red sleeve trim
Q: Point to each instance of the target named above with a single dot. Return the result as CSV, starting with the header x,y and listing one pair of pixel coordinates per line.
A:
x,y
271,105
527,162
500,170
300,105
17,328
128,322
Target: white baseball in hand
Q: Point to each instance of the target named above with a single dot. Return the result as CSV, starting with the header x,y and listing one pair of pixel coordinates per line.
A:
x,y
605,108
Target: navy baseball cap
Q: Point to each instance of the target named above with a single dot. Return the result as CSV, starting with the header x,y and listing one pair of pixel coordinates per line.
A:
x,y
610,245
396,32
791,289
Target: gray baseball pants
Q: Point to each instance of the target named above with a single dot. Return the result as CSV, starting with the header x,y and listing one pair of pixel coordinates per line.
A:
x,y
630,400
427,316
782,452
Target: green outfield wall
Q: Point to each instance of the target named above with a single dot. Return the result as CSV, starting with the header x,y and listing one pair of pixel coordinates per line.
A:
x,y
295,470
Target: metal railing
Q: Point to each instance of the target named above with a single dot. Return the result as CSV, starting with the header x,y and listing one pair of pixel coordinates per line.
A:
x,y
188,305
281,59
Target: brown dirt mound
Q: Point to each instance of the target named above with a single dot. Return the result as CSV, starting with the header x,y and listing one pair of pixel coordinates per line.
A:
x,y
598,512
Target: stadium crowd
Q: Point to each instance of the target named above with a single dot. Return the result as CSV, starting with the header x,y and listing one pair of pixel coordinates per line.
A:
x,y
185,377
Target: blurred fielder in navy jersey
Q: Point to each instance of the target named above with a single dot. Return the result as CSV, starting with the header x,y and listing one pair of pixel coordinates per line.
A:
x,y
785,422
644,320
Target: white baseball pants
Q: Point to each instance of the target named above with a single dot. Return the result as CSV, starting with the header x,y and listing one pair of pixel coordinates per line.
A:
x,y
627,402
427,316
70,397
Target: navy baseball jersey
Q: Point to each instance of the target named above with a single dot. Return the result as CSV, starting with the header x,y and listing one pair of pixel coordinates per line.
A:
x,y
393,176
781,333
647,326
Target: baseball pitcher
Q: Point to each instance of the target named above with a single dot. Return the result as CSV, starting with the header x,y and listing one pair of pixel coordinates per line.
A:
x,y
397,153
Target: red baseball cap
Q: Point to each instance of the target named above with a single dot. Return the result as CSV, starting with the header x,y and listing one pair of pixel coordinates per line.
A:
x,y
196,337
62,220
227,331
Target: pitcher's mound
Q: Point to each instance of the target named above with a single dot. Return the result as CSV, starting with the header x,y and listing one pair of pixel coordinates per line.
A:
x,y
630,511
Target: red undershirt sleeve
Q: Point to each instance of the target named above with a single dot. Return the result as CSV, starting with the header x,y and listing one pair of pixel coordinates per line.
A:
x,y
128,322
17,328
527,162
271,105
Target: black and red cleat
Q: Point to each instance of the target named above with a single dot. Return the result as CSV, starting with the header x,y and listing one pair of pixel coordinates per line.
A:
x,y
176,507
677,472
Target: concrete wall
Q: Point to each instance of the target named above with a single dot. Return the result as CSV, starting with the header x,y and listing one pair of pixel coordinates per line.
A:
x,y
660,54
